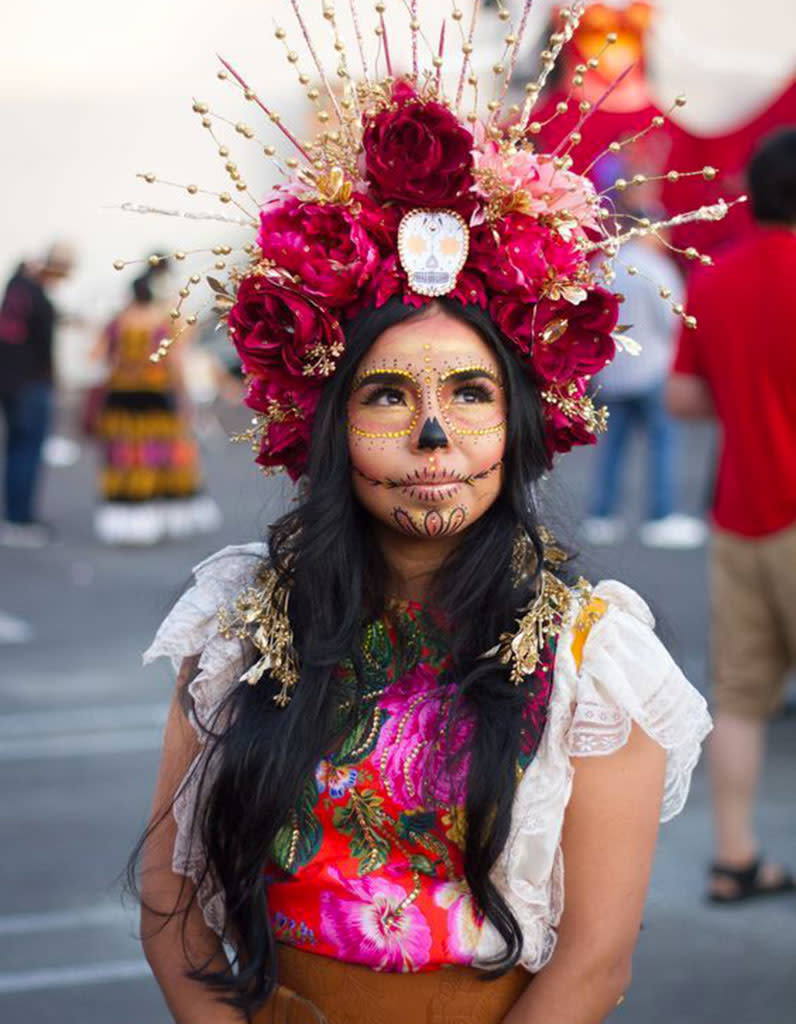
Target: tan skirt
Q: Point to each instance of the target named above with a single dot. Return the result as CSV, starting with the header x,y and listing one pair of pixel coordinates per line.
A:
x,y
317,989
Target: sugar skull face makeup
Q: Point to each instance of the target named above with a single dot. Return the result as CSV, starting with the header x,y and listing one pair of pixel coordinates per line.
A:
x,y
427,427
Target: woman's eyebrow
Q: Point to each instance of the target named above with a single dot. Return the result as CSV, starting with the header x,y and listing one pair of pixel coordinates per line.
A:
x,y
471,373
386,377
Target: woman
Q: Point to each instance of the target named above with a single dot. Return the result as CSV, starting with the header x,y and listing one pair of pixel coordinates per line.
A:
x,y
150,477
396,724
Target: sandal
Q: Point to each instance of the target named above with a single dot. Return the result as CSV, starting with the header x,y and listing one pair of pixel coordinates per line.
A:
x,y
748,883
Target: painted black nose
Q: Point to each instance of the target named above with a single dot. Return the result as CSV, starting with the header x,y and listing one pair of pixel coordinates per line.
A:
x,y
432,435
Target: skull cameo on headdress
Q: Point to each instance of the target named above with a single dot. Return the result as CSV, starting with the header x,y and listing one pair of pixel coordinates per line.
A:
x,y
433,247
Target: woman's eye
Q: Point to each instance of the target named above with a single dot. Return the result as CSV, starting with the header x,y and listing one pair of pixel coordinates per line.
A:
x,y
385,396
472,393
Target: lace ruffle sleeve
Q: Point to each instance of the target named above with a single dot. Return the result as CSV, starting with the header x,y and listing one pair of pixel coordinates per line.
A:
x,y
626,675
191,630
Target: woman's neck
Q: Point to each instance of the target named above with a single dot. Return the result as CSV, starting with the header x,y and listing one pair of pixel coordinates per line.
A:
x,y
412,562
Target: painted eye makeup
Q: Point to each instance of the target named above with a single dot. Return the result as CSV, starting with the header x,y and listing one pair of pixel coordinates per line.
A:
x,y
385,396
471,394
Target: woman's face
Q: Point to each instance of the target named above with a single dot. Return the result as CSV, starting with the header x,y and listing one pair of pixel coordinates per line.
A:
x,y
427,427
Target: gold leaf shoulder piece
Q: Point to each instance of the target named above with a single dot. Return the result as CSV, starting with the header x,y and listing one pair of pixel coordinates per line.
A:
x,y
543,619
259,614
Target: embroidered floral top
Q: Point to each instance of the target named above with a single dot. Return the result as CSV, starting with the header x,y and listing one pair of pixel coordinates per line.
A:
x,y
370,868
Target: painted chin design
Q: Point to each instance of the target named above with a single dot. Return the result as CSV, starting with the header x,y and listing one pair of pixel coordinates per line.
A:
x,y
434,523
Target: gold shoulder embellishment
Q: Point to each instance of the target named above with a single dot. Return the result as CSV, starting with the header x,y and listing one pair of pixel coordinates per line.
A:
x,y
542,619
259,615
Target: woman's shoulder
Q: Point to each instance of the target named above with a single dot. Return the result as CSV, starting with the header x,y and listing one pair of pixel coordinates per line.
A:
x,y
614,672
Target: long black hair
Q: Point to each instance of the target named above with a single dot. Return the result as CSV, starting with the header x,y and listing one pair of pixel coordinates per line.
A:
x,y
323,552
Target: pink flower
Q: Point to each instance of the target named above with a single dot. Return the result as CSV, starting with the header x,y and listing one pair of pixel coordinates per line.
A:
x,y
411,753
417,152
277,330
464,921
289,405
518,255
369,928
565,430
538,186
325,244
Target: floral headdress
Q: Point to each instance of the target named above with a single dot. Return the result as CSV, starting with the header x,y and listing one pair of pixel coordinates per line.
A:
x,y
402,193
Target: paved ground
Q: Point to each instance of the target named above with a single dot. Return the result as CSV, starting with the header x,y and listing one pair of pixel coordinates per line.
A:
x,y
79,730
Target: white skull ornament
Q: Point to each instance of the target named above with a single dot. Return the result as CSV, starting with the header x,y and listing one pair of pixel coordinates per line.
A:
x,y
433,247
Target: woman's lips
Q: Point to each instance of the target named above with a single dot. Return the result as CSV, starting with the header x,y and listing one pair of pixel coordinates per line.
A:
x,y
427,491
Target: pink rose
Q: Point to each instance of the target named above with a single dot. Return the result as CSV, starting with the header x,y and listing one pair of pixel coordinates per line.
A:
x,y
417,152
410,751
275,328
325,244
290,404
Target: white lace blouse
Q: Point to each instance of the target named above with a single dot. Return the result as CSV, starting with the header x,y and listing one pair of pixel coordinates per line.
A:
x,y
626,675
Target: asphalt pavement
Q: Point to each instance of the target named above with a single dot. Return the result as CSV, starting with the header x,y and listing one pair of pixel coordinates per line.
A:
x,y
80,727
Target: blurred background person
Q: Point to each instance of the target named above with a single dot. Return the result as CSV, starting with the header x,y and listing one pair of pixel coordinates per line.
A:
x,y
150,477
739,366
632,389
27,327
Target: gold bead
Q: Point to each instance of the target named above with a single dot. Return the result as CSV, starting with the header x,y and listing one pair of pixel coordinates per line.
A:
x,y
195,279
304,79
179,255
562,107
269,150
510,40
220,264
644,222
534,127
200,108
292,57
575,138
191,319
620,184
691,253
678,308
118,264
222,74
532,88
467,49
680,101
706,261
584,106
690,322
493,105
709,173
280,33
456,14
154,261
503,14
498,68
632,271
312,94
614,147
224,197
593,63
658,121
639,179
414,25
673,176
323,116
559,163
611,38
580,69
192,189
207,122
664,293
437,62
472,80
223,151
174,314
241,186
577,80
249,94
292,163
184,293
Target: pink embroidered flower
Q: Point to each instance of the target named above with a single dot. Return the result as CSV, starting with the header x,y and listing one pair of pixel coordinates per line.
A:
x,y
464,922
538,187
373,925
338,779
417,152
325,244
411,751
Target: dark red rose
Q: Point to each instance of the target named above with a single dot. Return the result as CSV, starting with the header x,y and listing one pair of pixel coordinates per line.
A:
x,y
585,346
417,152
515,318
290,404
277,330
325,244
518,254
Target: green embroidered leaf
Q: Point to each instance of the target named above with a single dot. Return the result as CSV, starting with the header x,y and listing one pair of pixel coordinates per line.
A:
x,y
309,830
423,864
410,826
361,819
360,741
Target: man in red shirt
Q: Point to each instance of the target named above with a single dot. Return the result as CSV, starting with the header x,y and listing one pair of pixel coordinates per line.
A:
x,y
739,366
